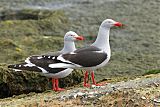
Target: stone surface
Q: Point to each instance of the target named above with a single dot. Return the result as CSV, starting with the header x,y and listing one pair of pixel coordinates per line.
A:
x,y
23,82
104,96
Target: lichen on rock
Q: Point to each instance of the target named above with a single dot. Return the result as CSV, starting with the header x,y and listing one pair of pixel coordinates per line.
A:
x,y
23,82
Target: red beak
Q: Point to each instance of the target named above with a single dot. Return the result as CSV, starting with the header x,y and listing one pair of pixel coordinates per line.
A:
x,y
80,38
118,24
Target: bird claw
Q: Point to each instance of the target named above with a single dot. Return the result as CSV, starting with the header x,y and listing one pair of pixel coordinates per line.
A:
x,y
99,84
86,85
59,89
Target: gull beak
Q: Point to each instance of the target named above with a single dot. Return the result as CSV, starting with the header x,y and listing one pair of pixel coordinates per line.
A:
x,y
79,38
118,24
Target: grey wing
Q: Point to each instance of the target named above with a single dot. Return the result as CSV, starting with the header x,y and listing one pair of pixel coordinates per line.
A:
x,y
90,48
86,58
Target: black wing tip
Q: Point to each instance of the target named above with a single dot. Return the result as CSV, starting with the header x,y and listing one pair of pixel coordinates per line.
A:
x,y
11,66
16,65
22,67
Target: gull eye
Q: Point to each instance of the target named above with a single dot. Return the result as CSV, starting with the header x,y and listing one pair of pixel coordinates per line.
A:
x,y
71,35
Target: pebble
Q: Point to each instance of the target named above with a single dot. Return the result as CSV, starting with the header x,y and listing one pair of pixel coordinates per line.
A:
x,y
80,94
98,91
143,98
157,100
91,96
91,92
63,98
156,84
75,95
94,86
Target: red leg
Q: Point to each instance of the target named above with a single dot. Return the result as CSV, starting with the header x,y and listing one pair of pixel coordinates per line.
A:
x,y
86,80
53,84
93,80
57,86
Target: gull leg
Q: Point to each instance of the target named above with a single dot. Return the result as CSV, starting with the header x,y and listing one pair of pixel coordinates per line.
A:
x,y
86,84
57,86
53,84
93,80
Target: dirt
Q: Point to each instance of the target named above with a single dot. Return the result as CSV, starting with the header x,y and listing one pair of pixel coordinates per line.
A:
x,y
139,92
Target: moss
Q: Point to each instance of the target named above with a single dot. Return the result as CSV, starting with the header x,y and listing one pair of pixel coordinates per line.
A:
x,y
18,28
152,72
22,38
48,43
15,83
7,43
53,24
24,14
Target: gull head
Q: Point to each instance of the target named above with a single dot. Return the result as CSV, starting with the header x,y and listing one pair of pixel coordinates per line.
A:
x,y
72,36
108,23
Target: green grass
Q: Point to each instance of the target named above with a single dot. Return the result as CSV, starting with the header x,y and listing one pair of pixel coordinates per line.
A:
x,y
152,72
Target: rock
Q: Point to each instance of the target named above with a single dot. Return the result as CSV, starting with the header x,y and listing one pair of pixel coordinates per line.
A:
x,y
91,96
74,78
143,98
80,94
156,84
15,83
136,105
91,93
157,100
24,14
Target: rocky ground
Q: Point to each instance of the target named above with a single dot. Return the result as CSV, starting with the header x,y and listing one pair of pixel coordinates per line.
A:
x,y
16,83
31,27
143,91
